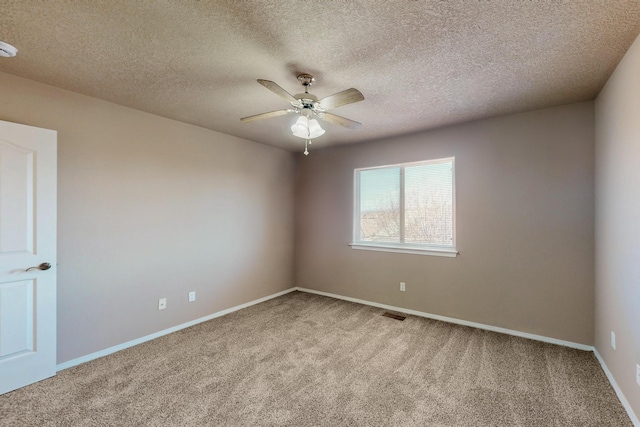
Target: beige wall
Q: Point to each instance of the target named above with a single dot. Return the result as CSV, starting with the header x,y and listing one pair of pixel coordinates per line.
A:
x,y
524,224
149,208
618,223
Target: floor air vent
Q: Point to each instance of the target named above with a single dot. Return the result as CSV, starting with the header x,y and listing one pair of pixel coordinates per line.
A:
x,y
394,316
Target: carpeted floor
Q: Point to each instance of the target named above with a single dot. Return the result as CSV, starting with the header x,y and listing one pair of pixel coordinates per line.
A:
x,y
307,360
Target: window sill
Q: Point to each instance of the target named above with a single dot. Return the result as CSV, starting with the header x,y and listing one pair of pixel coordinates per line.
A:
x,y
416,250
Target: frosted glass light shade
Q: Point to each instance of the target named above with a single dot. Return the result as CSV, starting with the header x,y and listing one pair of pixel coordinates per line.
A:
x,y
301,127
307,129
314,129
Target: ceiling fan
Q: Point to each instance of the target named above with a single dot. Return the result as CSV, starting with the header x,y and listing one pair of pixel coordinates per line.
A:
x,y
309,107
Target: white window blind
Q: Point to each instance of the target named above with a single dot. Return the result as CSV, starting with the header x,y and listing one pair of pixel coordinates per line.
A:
x,y
407,206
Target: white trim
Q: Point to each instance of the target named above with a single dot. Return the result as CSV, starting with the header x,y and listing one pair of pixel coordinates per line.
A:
x,y
110,350
614,384
456,321
401,246
115,348
447,252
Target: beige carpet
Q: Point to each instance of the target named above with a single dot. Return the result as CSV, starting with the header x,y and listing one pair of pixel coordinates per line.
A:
x,y
307,360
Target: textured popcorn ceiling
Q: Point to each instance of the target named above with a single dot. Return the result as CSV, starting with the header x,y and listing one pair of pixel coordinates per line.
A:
x,y
420,64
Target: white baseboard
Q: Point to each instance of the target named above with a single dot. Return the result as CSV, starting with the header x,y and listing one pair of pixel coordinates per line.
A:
x,y
614,384
454,320
110,350
107,351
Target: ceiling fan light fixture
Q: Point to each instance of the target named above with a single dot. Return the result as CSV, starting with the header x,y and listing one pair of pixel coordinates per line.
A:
x,y
307,129
301,127
314,129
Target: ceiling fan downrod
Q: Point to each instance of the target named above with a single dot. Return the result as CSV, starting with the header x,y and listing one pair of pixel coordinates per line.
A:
x,y
306,80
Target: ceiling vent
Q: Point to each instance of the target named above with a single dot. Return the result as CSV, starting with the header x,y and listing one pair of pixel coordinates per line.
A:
x,y
7,51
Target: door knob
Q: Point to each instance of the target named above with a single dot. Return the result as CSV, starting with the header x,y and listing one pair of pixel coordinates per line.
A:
x,y
43,266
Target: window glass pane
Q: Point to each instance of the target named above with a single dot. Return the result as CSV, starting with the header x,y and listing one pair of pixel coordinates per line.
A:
x,y
380,205
429,204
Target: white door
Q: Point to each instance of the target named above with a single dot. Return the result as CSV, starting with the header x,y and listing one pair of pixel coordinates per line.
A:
x,y
28,168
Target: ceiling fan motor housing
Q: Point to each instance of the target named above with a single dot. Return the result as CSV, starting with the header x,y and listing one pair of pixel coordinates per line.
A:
x,y
306,101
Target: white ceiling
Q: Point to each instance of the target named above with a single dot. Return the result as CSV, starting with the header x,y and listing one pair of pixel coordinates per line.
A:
x,y
420,64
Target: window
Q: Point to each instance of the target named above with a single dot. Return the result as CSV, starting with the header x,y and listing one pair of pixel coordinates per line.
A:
x,y
406,208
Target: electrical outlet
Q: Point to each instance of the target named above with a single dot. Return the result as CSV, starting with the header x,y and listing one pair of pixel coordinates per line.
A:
x,y
192,296
638,374
162,303
402,287
613,340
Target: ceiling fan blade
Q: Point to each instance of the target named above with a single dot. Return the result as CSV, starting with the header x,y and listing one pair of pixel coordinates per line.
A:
x,y
339,120
265,115
339,99
273,87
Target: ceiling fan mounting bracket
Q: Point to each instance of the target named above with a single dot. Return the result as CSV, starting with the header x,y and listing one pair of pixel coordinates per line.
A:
x,y
306,79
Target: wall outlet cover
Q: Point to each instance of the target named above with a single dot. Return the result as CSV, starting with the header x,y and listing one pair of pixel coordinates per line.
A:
x,y
192,296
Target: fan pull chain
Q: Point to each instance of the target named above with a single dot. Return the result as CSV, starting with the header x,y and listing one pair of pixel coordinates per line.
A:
x,y
308,140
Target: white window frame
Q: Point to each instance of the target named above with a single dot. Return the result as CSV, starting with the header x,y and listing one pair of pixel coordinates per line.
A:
x,y
409,248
